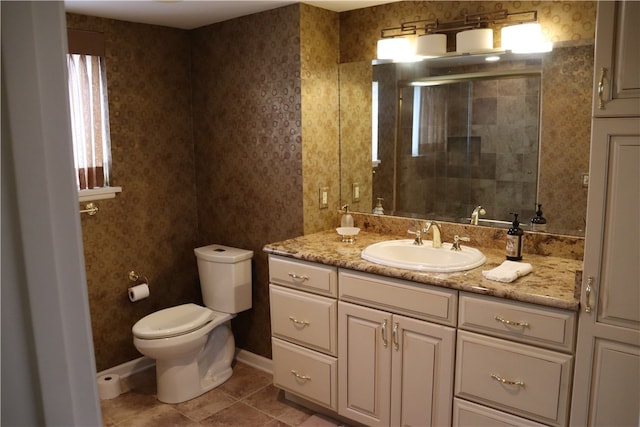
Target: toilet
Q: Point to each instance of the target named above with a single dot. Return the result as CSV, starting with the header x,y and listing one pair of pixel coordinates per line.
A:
x,y
193,346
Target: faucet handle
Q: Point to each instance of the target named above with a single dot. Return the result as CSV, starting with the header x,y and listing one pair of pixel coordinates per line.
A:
x,y
456,242
418,233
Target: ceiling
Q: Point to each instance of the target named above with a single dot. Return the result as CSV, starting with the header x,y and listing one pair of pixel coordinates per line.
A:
x,y
189,14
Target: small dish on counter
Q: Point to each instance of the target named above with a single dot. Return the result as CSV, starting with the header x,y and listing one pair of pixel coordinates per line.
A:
x,y
348,234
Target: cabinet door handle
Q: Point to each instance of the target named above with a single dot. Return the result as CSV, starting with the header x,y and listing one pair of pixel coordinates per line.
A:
x,y
511,322
603,73
304,378
507,382
299,322
295,276
587,295
383,331
396,343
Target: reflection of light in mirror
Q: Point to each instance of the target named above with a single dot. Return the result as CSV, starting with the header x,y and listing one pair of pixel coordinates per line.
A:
x,y
415,136
374,124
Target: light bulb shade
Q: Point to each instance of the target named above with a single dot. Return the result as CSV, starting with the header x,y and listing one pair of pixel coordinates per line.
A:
x,y
431,45
478,40
524,38
394,48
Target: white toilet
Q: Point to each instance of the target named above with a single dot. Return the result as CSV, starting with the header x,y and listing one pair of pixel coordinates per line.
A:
x,y
193,346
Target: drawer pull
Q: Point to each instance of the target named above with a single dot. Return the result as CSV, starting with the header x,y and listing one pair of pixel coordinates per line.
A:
x,y
299,322
383,331
507,382
295,276
304,378
396,344
511,322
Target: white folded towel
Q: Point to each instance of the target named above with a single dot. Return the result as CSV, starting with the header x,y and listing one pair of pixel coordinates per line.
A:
x,y
508,271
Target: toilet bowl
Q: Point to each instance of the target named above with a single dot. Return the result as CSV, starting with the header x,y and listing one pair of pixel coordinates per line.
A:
x,y
193,346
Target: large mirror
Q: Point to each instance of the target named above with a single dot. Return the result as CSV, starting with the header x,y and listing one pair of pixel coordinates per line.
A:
x,y
436,139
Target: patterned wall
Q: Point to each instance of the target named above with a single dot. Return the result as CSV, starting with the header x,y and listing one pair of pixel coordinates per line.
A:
x,y
248,144
319,56
150,227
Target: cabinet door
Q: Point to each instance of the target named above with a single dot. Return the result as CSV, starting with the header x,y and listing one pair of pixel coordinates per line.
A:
x,y
364,363
617,59
609,326
422,372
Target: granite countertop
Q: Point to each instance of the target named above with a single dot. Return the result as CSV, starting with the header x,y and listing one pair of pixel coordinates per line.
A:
x,y
552,282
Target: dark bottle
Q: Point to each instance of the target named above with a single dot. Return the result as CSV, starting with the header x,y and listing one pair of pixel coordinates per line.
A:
x,y
514,240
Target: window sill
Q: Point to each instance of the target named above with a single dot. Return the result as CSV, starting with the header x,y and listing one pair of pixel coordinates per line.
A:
x,y
98,194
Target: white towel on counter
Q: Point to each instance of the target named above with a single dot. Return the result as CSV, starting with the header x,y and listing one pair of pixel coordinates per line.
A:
x,y
508,271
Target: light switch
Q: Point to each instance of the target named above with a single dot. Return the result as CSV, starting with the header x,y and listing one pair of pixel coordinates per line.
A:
x,y
356,192
324,197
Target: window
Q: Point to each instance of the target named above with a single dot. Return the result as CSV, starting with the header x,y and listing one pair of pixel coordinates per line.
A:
x,y
89,113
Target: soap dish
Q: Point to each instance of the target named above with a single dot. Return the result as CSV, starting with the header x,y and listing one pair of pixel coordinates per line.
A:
x,y
348,233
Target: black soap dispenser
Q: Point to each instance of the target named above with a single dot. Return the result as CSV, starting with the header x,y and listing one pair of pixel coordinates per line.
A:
x,y
538,222
514,240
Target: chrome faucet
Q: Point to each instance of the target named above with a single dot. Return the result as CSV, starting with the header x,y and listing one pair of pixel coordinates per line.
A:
x,y
479,210
436,231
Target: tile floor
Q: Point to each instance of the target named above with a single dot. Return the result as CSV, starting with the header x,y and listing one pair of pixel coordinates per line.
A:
x,y
248,398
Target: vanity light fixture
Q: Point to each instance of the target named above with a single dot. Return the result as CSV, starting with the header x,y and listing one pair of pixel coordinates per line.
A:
x,y
417,40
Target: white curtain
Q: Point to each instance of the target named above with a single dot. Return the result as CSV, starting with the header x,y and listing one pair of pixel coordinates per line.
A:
x,y
89,120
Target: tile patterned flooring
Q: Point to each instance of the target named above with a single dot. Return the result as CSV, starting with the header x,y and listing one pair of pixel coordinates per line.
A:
x,y
248,398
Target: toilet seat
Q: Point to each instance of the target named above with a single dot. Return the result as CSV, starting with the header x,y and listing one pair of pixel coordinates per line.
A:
x,y
173,321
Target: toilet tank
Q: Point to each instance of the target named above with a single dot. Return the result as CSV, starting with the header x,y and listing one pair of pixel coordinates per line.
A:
x,y
225,277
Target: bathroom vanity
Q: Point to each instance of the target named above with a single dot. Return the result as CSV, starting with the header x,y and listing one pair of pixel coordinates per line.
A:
x,y
387,346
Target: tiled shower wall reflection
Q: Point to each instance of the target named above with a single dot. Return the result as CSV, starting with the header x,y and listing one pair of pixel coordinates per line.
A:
x,y
466,144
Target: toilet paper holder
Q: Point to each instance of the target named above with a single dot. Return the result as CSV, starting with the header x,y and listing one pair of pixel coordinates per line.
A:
x,y
135,277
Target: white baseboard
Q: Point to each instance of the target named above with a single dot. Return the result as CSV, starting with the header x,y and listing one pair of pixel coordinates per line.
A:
x,y
254,360
129,368
140,364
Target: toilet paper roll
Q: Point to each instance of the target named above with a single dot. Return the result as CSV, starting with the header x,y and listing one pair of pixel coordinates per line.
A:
x,y
109,386
138,292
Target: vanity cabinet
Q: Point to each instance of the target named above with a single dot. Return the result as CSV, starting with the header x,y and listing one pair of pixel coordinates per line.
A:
x,y
304,329
501,362
617,59
394,369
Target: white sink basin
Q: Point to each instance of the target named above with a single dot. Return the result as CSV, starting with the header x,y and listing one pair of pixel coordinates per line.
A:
x,y
404,254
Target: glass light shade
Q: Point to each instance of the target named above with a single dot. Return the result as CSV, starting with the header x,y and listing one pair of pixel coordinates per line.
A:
x,y
398,48
524,38
431,45
478,40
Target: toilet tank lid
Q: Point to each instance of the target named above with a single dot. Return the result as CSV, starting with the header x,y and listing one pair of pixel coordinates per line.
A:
x,y
224,254
172,321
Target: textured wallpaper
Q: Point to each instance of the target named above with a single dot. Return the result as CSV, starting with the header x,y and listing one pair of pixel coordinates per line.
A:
x,y
151,227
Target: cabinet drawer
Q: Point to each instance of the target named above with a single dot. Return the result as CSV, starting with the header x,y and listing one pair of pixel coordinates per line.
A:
x,y
306,319
303,275
517,378
548,327
467,414
306,373
400,296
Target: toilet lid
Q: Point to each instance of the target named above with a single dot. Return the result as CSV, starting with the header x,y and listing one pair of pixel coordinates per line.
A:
x,y
173,321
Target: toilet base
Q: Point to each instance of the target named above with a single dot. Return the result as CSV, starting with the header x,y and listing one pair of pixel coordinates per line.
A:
x,y
185,379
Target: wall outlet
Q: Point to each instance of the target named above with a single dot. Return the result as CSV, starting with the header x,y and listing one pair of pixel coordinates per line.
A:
x,y
324,197
356,192
585,179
